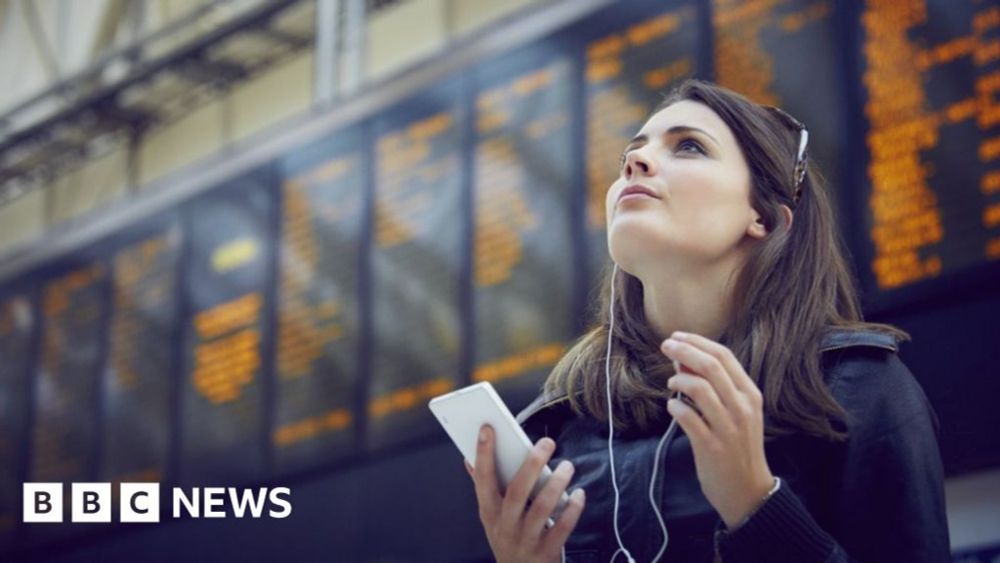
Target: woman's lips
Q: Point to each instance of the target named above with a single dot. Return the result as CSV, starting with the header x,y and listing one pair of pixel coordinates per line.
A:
x,y
634,195
636,191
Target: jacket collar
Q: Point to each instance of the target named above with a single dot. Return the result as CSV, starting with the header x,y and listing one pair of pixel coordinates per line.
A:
x,y
835,339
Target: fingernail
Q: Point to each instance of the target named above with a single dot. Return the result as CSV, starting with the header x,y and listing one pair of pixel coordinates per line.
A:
x,y
482,434
679,335
578,494
565,465
548,445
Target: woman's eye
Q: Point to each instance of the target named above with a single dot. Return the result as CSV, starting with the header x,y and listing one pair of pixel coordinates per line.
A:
x,y
690,143
680,146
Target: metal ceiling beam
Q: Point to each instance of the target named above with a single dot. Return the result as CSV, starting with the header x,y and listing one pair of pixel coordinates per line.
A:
x,y
200,70
99,65
286,38
325,68
175,188
190,58
134,119
41,42
111,20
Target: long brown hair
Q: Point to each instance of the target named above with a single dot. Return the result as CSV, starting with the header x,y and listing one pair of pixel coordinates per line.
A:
x,y
794,286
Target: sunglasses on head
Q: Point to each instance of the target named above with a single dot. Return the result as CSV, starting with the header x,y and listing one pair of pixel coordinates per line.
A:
x,y
800,159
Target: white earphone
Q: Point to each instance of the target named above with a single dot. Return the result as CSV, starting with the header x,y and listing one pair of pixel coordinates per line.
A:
x,y
611,451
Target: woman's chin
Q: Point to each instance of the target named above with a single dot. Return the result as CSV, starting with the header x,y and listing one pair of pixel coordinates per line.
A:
x,y
628,252
634,230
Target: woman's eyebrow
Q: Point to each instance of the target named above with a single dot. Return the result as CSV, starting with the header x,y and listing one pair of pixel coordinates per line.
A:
x,y
687,128
642,138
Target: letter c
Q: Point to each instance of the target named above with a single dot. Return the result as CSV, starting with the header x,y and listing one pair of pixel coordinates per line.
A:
x,y
135,508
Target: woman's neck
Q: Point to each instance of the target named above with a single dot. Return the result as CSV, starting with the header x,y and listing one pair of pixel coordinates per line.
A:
x,y
695,304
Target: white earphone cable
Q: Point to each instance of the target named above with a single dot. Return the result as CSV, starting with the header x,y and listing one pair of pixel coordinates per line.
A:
x,y
611,452
611,426
652,482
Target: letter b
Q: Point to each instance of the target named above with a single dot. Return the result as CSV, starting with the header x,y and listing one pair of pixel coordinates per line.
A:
x,y
91,502
43,502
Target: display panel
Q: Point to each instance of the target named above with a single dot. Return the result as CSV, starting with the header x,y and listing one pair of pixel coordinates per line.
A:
x,y
18,320
930,77
324,190
417,254
523,184
227,284
137,383
783,56
634,54
65,424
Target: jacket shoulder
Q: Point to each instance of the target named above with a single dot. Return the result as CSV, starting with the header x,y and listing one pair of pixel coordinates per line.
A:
x,y
839,339
871,382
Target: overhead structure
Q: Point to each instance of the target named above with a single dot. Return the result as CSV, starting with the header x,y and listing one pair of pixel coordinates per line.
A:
x,y
86,115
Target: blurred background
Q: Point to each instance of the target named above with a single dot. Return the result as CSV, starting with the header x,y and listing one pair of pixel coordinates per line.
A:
x,y
243,243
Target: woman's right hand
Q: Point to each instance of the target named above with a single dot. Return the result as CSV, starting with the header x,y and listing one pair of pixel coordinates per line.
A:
x,y
515,534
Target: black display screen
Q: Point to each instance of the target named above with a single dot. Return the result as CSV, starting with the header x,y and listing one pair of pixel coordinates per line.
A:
x,y
416,260
227,278
323,188
138,375
523,193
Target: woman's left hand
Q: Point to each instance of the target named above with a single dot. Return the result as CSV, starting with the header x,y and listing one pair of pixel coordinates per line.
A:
x,y
728,435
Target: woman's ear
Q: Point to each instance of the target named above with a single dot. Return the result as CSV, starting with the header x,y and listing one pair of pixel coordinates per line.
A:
x,y
788,215
758,230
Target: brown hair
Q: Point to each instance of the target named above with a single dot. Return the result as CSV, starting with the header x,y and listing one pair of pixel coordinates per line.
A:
x,y
793,287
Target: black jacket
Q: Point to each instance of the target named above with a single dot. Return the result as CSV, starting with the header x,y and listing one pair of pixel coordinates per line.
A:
x,y
877,497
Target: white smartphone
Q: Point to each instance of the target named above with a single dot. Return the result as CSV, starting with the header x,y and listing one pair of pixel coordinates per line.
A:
x,y
464,411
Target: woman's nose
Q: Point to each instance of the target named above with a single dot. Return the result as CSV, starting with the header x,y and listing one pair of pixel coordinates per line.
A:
x,y
636,164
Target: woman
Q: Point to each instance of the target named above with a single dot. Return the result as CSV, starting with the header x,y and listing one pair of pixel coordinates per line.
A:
x,y
803,436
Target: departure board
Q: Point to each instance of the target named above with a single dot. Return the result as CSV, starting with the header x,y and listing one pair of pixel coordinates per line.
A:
x,y
751,44
227,281
323,190
420,202
138,376
65,429
18,319
634,54
523,261
930,75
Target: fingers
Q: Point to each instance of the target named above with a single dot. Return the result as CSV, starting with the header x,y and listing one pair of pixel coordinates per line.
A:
x,y
705,365
705,399
688,419
548,497
516,496
485,476
724,355
557,535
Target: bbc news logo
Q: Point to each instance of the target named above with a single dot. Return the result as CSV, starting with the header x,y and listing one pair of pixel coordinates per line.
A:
x,y
140,502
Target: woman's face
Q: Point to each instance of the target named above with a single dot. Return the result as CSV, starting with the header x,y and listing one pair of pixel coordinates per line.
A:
x,y
701,214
